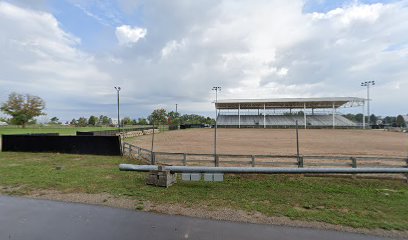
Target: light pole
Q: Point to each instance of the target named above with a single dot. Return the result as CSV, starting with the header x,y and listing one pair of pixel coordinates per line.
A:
x,y
368,84
216,89
118,90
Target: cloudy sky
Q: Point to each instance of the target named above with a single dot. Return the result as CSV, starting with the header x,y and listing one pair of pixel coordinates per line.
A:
x,y
73,52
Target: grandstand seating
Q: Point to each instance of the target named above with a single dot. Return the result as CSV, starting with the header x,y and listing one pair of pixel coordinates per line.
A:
x,y
283,120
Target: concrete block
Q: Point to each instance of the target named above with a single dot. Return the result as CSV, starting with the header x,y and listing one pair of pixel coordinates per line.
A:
x,y
208,177
195,176
218,177
161,178
213,177
186,176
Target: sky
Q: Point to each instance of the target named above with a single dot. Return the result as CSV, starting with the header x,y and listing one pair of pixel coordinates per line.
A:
x,y
72,53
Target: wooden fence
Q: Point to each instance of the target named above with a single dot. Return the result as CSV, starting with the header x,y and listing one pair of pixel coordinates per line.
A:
x,y
232,160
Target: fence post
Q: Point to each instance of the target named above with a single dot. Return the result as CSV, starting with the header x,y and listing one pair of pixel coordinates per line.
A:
x,y
138,151
353,165
184,159
300,161
153,160
353,162
406,174
217,160
253,161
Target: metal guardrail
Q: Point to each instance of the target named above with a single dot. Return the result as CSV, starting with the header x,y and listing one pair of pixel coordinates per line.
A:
x,y
260,170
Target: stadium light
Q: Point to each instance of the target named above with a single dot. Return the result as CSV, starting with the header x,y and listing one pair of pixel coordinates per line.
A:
x,y
216,89
368,84
118,90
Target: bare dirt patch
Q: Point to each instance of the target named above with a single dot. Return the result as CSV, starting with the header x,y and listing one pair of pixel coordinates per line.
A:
x,y
281,141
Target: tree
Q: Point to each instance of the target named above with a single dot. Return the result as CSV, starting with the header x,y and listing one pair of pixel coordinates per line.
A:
x,y
82,122
126,121
373,119
92,120
104,120
3,120
400,121
158,116
54,120
73,122
23,108
390,120
142,121
174,118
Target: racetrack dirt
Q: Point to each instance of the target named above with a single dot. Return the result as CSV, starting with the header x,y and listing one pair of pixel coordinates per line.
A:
x,y
349,142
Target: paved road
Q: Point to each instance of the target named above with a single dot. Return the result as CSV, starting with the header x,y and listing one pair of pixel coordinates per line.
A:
x,y
22,219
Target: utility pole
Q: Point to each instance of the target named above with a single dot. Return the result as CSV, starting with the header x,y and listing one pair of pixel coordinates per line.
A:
x,y
176,107
118,90
216,89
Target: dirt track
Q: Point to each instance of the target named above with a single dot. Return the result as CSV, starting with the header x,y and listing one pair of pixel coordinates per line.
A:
x,y
280,141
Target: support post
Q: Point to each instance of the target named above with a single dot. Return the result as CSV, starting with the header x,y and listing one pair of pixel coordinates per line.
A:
x,y
297,140
353,162
353,165
253,161
300,162
364,115
217,161
368,105
264,113
184,159
406,175
239,115
304,113
153,160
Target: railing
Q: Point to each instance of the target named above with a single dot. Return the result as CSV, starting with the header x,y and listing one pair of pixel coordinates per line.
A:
x,y
291,161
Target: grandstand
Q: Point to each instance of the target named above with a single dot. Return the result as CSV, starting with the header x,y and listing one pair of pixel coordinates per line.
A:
x,y
284,112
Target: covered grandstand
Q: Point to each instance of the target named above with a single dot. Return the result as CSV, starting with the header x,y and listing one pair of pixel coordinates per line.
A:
x,y
284,112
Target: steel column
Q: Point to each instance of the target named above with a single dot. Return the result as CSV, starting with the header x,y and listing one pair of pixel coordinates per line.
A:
x,y
239,115
264,116
304,113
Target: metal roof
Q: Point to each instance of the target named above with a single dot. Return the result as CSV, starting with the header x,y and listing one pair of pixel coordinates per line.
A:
x,y
286,103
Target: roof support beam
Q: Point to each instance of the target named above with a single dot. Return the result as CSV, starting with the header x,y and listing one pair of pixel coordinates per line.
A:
x,y
264,115
239,116
304,113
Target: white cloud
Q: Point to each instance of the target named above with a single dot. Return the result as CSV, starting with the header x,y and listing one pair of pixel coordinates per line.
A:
x,y
253,49
38,57
128,35
172,46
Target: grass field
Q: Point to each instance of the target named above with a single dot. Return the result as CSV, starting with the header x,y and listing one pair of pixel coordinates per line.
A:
x,y
359,203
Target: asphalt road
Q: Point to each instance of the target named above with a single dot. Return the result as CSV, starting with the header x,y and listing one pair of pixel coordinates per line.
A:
x,y
22,218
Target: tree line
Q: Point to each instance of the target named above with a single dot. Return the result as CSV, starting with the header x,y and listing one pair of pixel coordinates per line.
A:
x,y
393,121
23,109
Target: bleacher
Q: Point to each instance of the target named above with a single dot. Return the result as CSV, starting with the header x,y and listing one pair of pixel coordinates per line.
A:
x,y
283,121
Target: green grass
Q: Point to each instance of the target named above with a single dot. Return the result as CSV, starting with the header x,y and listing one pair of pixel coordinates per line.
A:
x,y
359,203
